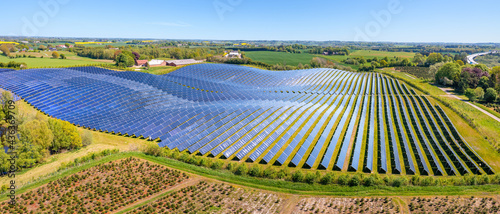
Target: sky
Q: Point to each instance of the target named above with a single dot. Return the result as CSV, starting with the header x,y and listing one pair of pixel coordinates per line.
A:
x,y
319,20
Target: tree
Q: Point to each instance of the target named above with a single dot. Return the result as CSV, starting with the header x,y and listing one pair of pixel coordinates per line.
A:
x,y
460,62
483,67
464,82
449,70
433,69
469,93
36,132
383,63
484,82
65,134
66,44
434,58
6,100
419,59
495,77
124,60
63,56
479,92
5,50
42,47
490,95
55,55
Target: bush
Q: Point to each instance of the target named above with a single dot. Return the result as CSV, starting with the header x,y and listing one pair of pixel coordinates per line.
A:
x,y
311,177
343,179
400,181
255,171
231,166
283,173
297,176
328,178
217,164
87,138
354,181
151,148
241,169
369,181
269,172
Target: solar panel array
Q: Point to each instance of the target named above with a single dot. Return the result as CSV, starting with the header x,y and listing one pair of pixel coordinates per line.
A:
x,y
316,118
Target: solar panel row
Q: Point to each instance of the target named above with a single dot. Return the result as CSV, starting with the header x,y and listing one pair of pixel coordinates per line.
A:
x,y
315,118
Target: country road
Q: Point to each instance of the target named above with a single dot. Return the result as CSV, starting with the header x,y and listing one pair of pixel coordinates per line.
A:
x,y
449,94
470,58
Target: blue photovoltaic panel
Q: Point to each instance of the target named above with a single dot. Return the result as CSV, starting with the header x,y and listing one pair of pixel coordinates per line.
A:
x,y
300,117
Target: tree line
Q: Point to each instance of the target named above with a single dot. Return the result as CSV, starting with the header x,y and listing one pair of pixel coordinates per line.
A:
x,y
38,136
477,82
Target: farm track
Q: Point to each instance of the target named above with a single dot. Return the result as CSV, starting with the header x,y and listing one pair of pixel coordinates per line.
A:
x,y
447,91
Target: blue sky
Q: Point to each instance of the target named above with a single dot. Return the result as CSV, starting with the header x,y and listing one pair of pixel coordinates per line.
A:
x,y
321,20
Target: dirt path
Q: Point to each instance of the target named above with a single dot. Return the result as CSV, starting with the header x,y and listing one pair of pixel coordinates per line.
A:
x,y
290,204
449,94
189,182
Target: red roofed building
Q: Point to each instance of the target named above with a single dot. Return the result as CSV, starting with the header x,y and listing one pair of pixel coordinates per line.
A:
x,y
142,63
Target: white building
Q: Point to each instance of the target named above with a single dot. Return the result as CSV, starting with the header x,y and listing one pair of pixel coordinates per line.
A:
x,y
233,54
157,62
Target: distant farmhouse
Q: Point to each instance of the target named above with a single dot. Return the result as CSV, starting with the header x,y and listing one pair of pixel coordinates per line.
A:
x,y
158,62
233,54
181,62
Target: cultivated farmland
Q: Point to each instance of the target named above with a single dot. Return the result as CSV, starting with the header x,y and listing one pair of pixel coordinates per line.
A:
x,y
214,198
100,189
316,119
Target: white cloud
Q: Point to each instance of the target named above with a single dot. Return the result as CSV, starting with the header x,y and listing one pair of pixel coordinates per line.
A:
x,y
171,24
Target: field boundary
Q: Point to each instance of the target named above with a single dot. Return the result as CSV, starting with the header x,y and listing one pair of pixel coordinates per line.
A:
x,y
278,185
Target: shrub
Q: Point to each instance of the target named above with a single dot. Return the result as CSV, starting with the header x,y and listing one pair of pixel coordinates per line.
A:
x,y
269,172
297,176
354,181
369,181
151,148
242,169
255,171
217,164
231,166
87,138
399,181
328,178
311,177
283,173
343,179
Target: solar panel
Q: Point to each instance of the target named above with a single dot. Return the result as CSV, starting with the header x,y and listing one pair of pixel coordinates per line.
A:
x,y
315,118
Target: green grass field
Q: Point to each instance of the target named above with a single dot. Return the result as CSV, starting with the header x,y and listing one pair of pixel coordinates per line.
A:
x,y
370,54
273,58
47,61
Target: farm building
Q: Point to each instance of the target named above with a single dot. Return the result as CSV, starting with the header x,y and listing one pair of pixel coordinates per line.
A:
x,y
181,62
157,62
142,63
233,54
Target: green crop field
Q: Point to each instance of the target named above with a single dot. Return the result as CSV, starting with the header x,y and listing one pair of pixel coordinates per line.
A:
x,y
271,57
